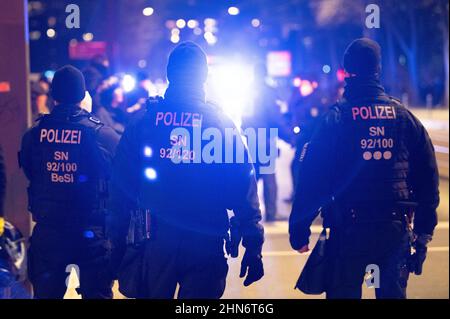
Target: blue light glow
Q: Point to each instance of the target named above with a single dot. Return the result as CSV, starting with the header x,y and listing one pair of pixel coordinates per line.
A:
x,y
88,234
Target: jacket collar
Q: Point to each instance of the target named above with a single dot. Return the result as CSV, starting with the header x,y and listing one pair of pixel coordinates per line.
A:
x,y
362,89
185,93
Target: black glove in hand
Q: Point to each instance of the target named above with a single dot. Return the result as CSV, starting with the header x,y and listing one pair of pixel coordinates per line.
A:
x,y
417,259
252,266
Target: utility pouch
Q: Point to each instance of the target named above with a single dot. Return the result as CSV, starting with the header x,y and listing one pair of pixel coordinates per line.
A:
x,y
232,245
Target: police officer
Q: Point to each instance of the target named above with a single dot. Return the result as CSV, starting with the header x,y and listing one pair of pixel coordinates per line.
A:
x,y
184,196
368,167
66,158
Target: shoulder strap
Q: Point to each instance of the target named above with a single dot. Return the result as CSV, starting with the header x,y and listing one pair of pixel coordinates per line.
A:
x,y
90,121
338,106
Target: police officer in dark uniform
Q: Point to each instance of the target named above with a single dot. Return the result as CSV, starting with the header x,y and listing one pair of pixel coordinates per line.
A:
x,y
66,157
371,170
184,197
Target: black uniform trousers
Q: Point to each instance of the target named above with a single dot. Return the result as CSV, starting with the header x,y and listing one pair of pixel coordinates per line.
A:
x,y
54,251
384,245
194,263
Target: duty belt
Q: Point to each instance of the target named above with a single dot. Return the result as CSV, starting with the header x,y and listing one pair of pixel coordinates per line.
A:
x,y
374,214
67,218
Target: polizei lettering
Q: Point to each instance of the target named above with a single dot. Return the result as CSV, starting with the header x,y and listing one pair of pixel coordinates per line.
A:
x,y
376,112
60,136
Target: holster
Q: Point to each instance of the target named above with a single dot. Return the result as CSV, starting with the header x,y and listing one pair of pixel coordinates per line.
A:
x,y
140,228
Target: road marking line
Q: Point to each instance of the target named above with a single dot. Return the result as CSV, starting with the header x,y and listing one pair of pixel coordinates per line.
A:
x,y
440,149
437,249
289,253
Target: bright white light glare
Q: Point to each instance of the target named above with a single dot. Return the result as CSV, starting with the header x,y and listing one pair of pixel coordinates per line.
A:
x,y
181,23
148,152
233,11
306,88
150,173
210,38
192,24
297,82
88,36
175,38
175,31
128,83
326,69
51,33
231,86
148,11
256,23
296,129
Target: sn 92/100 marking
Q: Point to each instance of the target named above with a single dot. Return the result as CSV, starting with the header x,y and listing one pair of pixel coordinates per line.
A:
x,y
62,167
177,154
372,143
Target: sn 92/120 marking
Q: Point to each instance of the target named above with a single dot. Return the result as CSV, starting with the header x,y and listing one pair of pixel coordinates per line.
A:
x,y
171,153
372,143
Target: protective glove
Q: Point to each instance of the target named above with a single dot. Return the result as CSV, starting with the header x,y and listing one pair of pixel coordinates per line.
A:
x,y
252,266
418,258
232,245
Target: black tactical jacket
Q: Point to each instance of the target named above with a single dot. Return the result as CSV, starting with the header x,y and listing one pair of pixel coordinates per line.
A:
x,y
369,151
66,156
183,198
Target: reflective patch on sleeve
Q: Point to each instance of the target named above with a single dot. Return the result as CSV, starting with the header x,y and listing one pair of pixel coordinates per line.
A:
x,y
304,150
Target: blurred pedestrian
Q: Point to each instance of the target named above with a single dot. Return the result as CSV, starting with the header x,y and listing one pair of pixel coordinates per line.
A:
x,y
110,110
267,115
41,101
305,108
